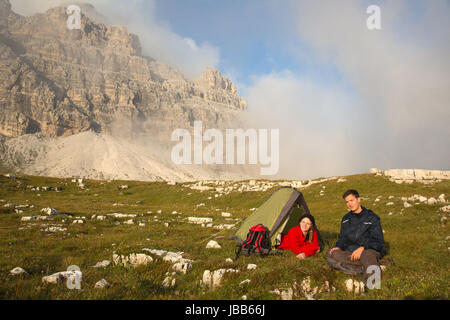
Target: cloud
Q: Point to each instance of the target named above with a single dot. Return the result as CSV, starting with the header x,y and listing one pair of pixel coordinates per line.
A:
x,y
401,73
157,39
313,123
388,107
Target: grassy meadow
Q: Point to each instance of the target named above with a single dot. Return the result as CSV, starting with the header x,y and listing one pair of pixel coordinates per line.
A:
x,y
417,238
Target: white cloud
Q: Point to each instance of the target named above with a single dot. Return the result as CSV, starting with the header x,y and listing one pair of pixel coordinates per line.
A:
x,y
313,124
399,71
397,116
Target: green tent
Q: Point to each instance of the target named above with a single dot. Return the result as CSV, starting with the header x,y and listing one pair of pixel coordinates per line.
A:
x,y
280,213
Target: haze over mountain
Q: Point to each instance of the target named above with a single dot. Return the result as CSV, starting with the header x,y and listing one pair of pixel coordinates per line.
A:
x,y
95,105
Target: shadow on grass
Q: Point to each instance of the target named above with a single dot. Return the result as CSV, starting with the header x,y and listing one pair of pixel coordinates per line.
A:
x,y
151,290
329,238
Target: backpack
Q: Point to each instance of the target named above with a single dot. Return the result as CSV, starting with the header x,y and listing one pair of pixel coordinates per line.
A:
x,y
258,242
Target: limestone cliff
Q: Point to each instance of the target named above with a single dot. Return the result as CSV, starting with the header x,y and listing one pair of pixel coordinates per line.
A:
x,y
59,82
70,100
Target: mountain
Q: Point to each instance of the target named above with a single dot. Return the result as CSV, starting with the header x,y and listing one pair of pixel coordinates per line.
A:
x,y
56,83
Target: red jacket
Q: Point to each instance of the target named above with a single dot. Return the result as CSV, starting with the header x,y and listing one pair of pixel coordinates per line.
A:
x,y
296,242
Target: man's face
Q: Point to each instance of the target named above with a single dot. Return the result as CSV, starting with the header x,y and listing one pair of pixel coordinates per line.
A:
x,y
352,202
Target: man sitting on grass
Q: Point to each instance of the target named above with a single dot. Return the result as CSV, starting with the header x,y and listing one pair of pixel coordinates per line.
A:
x,y
360,242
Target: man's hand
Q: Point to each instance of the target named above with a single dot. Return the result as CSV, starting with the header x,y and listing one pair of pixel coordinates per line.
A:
x,y
356,255
334,249
301,256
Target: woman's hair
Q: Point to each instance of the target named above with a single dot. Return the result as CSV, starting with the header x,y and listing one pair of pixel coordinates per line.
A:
x,y
310,233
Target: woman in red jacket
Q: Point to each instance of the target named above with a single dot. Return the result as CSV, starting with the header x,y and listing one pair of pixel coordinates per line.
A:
x,y
303,240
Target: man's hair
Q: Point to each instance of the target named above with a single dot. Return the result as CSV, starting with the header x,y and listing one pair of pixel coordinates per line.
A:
x,y
349,192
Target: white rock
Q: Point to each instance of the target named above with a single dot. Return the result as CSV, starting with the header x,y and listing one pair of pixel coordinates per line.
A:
x,y
349,285
442,198
359,287
213,279
141,224
354,286
224,226
156,251
246,281
226,214
431,201
168,282
207,278
445,209
78,222
17,271
251,266
407,205
51,212
390,204
129,222
287,294
102,264
229,260
244,297
137,259
102,284
199,220
306,285
213,245
175,257
59,277
182,267
55,229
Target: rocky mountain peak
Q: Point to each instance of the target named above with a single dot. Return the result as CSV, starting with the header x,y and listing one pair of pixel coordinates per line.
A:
x,y
58,82
212,78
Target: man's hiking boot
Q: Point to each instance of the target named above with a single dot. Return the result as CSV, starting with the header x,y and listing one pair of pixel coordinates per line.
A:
x,y
344,267
351,269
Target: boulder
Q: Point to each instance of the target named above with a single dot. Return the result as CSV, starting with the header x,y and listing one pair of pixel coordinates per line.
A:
x,y
52,212
102,264
213,245
182,267
102,284
60,277
213,280
137,259
18,271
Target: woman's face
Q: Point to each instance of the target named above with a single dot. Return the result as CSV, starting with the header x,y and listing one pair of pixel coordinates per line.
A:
x,y
305,225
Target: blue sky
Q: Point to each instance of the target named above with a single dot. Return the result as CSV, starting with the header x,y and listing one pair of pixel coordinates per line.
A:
x,y
254,37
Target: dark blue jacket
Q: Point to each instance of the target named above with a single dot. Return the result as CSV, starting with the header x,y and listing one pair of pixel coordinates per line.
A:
x,y
361,230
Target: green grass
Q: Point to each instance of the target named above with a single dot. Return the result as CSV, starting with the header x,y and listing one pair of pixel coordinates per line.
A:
x,y
416,238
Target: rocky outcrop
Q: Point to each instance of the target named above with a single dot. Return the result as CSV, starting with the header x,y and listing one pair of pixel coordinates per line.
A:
x,y
418,175
59,82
